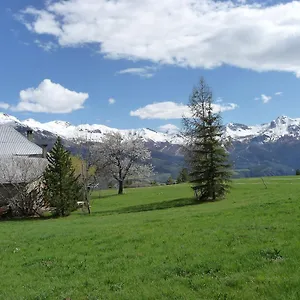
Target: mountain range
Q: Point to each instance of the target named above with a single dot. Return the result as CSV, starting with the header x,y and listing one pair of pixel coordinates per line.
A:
x,y
267,149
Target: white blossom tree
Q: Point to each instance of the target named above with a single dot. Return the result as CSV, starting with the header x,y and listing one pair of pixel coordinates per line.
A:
x,y
21,184
122,157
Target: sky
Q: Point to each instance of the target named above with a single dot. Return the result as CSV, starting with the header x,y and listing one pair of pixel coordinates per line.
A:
x,y
134,63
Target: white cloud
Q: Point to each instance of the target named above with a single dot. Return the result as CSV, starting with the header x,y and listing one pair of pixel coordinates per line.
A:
x,y
145,72
4,105
278,93
161,110
50,97
46,46
111,101
204,34
257,98
172,110
169,128
44,21
265,99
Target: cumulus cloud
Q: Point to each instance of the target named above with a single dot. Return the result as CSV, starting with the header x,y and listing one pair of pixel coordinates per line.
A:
x,y
161,110
145,72
169,128
111,101
4,105
172,110
44,21
206,34
278,93
265,99
50,97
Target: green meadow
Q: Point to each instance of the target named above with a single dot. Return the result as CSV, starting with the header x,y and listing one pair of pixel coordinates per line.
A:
x,y
156,243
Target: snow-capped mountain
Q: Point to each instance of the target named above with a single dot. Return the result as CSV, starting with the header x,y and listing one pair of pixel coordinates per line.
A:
x,y
88,132
279,128
268,149
268,132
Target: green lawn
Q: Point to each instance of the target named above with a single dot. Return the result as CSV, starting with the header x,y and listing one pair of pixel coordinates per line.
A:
x,y
154,243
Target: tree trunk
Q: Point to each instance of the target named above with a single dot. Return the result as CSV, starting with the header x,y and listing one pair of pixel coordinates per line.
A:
x,y
88,200
121,188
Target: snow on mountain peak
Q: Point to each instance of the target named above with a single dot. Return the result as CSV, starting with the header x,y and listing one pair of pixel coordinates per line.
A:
x,y
7,119
276,129
95,132
282,120
61,123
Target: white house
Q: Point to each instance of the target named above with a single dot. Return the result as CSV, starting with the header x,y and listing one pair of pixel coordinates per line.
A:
x,y
22,163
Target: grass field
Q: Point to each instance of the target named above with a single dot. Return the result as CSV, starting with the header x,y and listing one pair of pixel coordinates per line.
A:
x,y
154,243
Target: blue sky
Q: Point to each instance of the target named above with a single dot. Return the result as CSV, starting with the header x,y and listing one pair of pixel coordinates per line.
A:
x,y
65,60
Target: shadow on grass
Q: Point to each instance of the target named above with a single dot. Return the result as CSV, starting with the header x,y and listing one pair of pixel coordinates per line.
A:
x,y
98,196
152,206
22,219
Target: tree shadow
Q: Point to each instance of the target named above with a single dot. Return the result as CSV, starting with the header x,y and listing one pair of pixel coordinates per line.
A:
x,y
152,206
99,196
22,219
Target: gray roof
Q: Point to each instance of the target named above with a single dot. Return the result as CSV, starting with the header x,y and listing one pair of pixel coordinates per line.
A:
x,y
21,169
14,143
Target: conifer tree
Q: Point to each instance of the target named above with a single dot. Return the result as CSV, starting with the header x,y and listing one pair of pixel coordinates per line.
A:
x,y
183,176
62,189
205,153
170,181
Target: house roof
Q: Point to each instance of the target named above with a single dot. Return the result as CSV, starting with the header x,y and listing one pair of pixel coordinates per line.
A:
x,y
14,143
21,169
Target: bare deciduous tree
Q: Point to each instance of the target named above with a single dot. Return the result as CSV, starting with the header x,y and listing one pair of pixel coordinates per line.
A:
x,y
122,157
21,184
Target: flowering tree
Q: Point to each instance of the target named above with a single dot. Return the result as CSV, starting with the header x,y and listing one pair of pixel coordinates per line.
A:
x,y
122,157
21,185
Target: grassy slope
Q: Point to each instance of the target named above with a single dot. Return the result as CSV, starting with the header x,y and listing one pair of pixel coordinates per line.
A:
x,y
139,246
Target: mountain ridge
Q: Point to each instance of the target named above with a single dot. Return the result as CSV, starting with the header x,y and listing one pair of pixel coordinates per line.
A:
x,y
260,150
92,132
269,132
273,131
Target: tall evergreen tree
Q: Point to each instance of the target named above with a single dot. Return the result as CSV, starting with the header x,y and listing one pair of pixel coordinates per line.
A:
x,y
205,153
170,181
62,189
183,176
